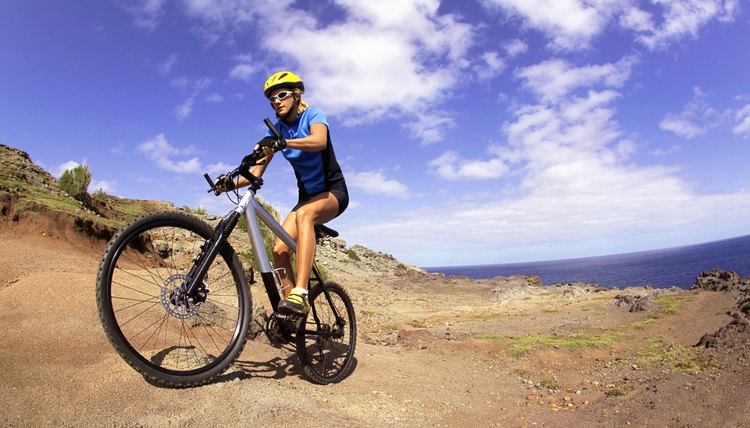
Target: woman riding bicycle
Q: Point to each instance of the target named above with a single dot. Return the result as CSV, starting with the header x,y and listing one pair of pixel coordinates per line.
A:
x,y
323,195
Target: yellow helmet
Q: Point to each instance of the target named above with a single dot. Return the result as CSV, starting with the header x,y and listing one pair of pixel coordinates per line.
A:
x,y
283,79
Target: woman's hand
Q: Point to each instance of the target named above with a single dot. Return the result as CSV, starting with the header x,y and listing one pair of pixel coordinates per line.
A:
x,y
223,184
272,143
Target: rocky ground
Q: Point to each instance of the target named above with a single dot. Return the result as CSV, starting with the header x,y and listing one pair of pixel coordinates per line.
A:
x,y
432,351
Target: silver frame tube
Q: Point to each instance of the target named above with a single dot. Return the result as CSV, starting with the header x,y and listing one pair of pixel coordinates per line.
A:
x,y
253,229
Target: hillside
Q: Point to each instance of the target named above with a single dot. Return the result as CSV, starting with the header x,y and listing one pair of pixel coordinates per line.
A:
x,y
431,350
30,195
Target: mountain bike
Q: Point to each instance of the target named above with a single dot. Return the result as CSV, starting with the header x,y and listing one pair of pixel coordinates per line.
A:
x,y
175,302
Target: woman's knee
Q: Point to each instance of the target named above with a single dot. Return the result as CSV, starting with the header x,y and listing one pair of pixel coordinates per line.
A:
x,y
305,216
280,250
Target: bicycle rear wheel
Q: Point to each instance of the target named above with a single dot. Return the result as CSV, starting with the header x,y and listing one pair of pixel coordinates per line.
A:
x,y
170,339
325,344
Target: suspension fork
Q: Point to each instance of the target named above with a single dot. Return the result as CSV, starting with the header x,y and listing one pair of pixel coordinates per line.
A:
x,y
209,252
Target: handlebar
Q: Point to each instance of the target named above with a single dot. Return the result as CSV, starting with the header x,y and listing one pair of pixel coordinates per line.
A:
x,y
254,158
210,182
272,128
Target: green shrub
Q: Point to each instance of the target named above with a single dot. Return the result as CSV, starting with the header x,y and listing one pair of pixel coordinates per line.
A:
x,y
200,211
353,256
100,195
75,182
549,383
268,236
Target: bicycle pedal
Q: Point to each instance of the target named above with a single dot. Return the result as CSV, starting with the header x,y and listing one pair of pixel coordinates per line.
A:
x,y
290,321
286,317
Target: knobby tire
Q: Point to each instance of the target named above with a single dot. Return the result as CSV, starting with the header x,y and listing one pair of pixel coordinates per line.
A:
x,y
171,344
328,360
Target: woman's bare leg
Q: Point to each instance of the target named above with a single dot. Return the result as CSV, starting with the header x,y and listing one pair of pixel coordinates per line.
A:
x,y
282,254
318,210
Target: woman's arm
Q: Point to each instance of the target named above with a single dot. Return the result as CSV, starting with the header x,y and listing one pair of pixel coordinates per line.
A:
x,y
314,142
256,171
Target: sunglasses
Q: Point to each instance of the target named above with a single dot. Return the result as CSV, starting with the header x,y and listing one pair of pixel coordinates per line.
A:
x,y
281,96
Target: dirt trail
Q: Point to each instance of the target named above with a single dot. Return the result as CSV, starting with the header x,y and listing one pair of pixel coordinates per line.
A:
x,y
431,352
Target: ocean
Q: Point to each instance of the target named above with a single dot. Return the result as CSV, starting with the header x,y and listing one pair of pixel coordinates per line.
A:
x,y
659,268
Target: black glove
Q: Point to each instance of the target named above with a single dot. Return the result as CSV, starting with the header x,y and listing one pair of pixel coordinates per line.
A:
x,y
223,184
273,143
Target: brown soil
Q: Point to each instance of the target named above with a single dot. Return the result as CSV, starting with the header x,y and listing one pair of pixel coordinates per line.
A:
x,y
431,352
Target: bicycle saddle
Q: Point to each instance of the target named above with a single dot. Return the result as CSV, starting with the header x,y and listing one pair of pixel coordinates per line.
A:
x,y
321,231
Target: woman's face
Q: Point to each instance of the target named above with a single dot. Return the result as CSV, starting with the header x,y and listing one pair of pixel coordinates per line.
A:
x,y
281,100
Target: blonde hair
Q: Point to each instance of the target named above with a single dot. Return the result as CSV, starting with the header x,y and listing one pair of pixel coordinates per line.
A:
x,y
302,106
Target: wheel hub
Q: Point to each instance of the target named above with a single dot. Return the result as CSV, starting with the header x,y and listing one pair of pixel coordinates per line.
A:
x,y
176,301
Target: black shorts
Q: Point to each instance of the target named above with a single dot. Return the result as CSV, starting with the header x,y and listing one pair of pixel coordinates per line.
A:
x,y
339,192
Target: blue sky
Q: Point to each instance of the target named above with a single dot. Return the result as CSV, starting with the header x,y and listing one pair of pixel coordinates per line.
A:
x,y
470,132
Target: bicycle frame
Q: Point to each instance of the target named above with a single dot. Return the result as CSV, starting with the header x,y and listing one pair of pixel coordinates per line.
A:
x,y
175,301
252,216
253,211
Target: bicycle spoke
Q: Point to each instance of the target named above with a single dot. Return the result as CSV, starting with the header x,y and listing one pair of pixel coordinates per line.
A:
x,y
140,263
131,288
138,302
137,315
167,336
144,280
328,359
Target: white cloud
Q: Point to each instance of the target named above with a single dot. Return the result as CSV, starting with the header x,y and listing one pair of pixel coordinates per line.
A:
x,y
555,78
430,126
214,205
146,13
414,55
570,24
118,149
574,24
681,126
375,183
636,19
181,82
579,193
696,118
492,65
680,19
165,67
60,169
450,166
393,76
214,98
628,209
162,153
219,168
242,72
742,117
108,187
515,47
183,110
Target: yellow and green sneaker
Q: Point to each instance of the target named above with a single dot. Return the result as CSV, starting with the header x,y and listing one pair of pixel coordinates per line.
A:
x,y
295,303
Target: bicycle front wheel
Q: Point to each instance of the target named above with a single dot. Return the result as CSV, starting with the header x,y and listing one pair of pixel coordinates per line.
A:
x,y
169,338
327,336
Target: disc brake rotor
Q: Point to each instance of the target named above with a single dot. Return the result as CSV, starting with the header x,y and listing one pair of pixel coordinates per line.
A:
x,y
174,299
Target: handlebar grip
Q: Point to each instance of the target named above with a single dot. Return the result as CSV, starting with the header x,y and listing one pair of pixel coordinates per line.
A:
x,y
210,182
272,128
